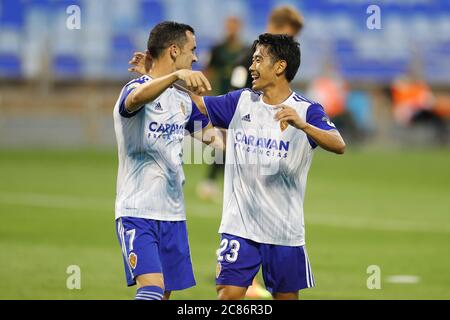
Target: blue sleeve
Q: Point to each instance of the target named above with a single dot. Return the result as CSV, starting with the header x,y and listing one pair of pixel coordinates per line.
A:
x,y
125,92
197,120
221,109
317,117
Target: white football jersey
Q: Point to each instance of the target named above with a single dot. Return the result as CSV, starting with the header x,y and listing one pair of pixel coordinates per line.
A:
x,y
150,174
266,166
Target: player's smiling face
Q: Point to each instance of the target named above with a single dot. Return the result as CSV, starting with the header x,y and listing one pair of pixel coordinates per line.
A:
x,y
187,55
262,69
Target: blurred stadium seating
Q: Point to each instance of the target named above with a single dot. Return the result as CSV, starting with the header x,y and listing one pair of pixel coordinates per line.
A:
x,y
48,71
31,30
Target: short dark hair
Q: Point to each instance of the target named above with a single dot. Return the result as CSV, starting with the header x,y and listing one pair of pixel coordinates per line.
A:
x,y
281,47
165,34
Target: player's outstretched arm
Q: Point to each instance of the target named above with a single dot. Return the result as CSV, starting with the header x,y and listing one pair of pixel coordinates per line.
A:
x,y
149,91
330,140
198,100
211,136
141,63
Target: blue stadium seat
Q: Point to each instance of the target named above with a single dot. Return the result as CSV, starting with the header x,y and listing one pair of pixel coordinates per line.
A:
x,y
43,4
122,48
11,13
430,9
436,60
66,3
359,16
50,5
151,13
10,65
260,10
444,48
444,6
66,66
371,70
57,9
122,44
344,48
116,68
339,7
318,6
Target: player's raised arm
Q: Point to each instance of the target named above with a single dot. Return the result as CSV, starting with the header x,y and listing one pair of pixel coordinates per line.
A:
x,y
141,63
219,109
328,138
148,92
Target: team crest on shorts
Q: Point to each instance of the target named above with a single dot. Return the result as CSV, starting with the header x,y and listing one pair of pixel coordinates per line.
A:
x,y
283,125
132,259
218,269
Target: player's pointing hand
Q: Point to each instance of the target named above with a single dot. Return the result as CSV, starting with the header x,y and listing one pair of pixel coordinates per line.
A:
x,y
195,81
289,115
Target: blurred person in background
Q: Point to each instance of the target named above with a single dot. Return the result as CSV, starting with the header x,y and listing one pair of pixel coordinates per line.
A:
x,y
414,104
282,20
331,91
360,105
222,58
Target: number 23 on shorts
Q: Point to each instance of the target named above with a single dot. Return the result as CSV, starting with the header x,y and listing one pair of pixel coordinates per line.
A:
x,y
232,256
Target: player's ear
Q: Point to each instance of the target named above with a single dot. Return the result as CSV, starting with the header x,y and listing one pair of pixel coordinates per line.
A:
x,y
280,67
174,51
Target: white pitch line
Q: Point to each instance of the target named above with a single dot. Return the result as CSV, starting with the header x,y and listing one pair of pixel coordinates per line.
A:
x,y
403,279
107,204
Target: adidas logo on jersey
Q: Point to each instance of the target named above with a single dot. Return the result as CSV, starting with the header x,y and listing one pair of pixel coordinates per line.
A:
x,y
246,118
158,107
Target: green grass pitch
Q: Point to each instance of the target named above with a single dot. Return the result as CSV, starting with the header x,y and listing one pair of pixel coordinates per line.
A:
x,y
384,208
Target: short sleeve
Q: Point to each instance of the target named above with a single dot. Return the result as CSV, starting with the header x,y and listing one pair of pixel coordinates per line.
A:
x,y
317,117
197,121
221,109
130,86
